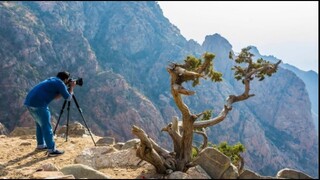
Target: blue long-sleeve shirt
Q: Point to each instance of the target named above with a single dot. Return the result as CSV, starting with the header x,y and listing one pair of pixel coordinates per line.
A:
x,y
44,92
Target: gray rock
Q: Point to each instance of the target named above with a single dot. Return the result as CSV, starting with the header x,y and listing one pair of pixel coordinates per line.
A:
x,y
198,173
75,129
93,156
248,174
213,162
119,145
83,171
131,143
48,167
108,157
179,175
231,173
106,141
292,174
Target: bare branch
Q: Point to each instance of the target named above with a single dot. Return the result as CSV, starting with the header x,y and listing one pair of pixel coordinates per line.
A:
x,y
180,89
175,124
232,98
175,136
205,138
147,152
185,74
176,96
214,121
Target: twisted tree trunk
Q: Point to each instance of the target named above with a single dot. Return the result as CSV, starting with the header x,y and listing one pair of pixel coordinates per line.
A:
x,y
181,132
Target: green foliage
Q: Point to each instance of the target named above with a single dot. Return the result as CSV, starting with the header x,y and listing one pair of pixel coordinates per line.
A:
x,y
231,55
194,64
194,152
210,72
209,56
246,57
215,76
233,152
206,115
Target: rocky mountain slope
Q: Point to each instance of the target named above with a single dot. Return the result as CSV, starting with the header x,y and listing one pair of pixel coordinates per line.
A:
x,y
310,79
121,50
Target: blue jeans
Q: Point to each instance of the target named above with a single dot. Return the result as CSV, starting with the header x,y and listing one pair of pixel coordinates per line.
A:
x,y
44,133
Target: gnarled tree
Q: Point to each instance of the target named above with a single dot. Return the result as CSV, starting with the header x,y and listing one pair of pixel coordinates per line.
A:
x,y
181,132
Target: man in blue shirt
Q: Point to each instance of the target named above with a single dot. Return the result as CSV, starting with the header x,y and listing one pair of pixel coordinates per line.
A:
x,y
37,102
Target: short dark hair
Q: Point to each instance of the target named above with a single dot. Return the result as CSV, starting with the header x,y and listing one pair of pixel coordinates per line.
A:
x,y
63,75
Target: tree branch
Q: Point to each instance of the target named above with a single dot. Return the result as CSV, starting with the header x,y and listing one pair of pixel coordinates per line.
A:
x,y
175,136
151,152
232,98
205,138
204,66
176,96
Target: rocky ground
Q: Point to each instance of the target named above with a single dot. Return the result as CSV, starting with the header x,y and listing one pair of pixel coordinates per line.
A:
x,y
20,160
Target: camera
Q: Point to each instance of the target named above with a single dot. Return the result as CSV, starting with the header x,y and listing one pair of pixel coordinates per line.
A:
x,y
78,81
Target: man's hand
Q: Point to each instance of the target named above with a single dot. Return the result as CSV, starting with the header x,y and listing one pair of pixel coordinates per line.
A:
x,y
71,86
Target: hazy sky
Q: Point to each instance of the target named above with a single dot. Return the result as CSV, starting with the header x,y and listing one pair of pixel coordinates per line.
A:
x,y
287,30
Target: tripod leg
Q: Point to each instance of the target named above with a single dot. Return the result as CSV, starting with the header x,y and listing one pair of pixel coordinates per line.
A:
x,y
61,112
80,110
68,108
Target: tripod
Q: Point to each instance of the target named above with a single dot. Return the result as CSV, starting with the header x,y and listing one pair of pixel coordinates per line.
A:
x,y
68,109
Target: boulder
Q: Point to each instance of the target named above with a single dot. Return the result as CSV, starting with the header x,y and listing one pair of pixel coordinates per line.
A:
x,y
119,145
131,143
292,174
74,130
93,156
108,157
80,171
105,141
214,162
179,175
248,174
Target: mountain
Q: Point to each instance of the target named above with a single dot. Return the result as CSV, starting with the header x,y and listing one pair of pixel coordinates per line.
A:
x,y
272,112
310,78
121,50
37,43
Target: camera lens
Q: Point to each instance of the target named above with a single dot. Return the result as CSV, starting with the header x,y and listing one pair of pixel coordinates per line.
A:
x,y
79,82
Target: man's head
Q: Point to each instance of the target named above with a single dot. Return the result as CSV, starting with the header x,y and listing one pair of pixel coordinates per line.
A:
x,y
64,75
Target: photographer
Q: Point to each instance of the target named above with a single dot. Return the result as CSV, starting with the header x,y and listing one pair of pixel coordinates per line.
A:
x,y
37,102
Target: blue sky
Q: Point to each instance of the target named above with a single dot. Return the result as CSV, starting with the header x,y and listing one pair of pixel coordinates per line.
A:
x,y
287,30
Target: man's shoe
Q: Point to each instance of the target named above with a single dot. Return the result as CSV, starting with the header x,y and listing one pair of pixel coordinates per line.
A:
x,y
55,153
42,148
